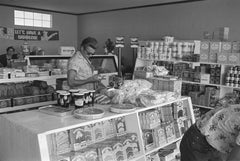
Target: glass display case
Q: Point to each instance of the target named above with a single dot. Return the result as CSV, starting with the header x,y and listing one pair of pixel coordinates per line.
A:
x,y
106,66
104,63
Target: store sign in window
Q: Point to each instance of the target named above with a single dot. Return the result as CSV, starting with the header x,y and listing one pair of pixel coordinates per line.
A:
x,y
33,19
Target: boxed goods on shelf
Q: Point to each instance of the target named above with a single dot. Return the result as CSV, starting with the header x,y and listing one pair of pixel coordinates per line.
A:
x,y
54,139
4,103
25,93
233,58
166,85
205,78
235,47
171,123
149,119
123,148
142,74
222,58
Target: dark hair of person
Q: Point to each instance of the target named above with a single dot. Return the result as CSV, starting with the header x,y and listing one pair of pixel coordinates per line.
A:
x,y
10,47
89,41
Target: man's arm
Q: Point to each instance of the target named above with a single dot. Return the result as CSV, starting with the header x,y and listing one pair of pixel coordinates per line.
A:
x,y
72,81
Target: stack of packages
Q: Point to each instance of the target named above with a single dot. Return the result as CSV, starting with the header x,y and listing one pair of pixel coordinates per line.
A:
x,y
17,94
137,92
105,140
7,73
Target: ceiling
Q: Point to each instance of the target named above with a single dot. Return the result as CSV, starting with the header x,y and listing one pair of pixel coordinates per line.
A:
x,y
78,7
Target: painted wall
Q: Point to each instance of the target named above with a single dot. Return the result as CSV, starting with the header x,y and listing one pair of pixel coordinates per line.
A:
x,y
184,21
66,25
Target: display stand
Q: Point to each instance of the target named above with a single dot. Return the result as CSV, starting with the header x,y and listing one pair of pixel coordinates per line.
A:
x,y
120,62
27,136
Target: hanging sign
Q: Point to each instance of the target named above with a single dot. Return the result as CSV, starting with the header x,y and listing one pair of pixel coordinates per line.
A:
x,y
134,42
25,34
35,35
119,42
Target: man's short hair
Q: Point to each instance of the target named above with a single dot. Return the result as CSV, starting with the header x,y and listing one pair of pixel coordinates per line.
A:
x,y
89,41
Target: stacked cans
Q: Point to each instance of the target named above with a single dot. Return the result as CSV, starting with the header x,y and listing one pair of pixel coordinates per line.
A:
x,y
232,77
166,50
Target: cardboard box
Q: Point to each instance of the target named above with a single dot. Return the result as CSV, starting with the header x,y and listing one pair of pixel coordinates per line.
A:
x,y
204,57
120,126
205,78
215,47
221,34
205,47
109,128
222,58
167,85
235,47
233,58
148,139
226,47
160,136
224,33
97,131
213,57
197,48
61,143
142,74
77,137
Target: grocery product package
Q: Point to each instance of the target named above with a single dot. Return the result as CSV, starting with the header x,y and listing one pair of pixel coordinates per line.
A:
x,y
150,97
134,87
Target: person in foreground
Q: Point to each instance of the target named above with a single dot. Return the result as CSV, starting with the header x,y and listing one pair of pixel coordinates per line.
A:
x,y
214,137
80,70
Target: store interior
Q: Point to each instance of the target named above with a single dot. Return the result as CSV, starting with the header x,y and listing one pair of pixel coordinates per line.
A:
x,y
156,91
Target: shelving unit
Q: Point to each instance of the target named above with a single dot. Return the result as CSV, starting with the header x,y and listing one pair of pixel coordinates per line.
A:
x,y
206,107
24,79
189,62
51,80
28,106
140,62
156,149
30,131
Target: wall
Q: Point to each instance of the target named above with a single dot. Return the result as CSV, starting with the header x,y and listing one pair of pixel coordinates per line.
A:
x,y
184,21
66,25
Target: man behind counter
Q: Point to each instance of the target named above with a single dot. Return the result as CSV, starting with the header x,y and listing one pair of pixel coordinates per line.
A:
x,y
80,70
5,59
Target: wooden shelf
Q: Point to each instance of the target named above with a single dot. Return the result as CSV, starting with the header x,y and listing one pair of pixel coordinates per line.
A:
x,y
189,62
201,106
162,104
48,56
27,106
208,84
160,147
24,79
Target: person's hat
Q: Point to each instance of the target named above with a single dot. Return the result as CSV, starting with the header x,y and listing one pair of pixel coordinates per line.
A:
x,y
90,41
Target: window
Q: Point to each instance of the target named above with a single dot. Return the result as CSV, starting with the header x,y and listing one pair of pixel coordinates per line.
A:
x,y
25,18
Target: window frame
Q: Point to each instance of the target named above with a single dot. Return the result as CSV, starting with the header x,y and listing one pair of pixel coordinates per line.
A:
x,y
32,19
